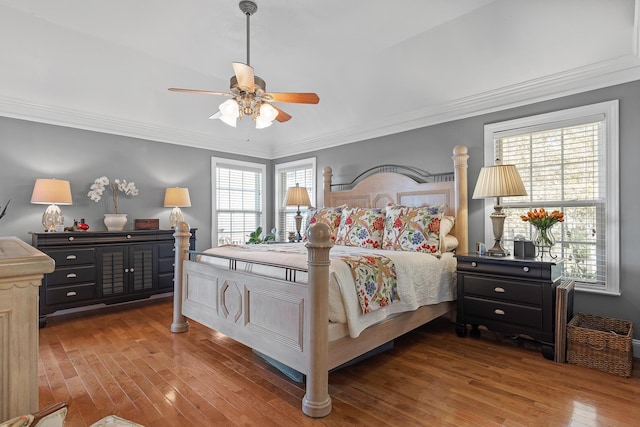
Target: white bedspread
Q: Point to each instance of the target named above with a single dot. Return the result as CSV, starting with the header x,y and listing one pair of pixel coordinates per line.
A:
x,y
423,279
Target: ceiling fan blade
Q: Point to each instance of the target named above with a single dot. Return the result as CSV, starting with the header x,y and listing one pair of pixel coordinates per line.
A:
x,y
216,115
245,76
298,98
205,92
282,116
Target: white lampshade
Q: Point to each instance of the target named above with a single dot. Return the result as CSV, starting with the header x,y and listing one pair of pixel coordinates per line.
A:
x,y
297,196
499,181
177,197
52,192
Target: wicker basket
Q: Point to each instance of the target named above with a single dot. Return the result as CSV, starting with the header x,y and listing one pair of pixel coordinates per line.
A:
x,y
600,343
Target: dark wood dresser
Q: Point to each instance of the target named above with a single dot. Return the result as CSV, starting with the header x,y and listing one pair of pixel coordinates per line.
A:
x,y
105,267
510,295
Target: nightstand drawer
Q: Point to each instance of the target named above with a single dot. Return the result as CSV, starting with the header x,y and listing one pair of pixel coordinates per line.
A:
x,y
530,317
63,276
523,270
69,294
72,256
505,290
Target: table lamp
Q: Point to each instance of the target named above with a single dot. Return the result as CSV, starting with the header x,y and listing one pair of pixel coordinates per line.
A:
x,y
498,181
52,192
177,198
297,196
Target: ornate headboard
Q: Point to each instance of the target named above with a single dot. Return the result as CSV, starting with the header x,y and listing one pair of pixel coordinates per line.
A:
x,y
380,189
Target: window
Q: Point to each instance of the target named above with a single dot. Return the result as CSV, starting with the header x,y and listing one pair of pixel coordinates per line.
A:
x,y
568,160
289,174
238,200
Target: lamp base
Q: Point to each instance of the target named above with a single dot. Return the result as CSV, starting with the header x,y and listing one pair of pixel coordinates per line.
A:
x,y
175,217
497,221
52,218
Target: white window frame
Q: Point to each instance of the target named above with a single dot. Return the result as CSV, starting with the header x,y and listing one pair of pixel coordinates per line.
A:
x,y
610,111
293,165
219,161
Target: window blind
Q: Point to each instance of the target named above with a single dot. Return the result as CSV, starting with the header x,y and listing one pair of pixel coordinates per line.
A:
x,y
238,202
563,168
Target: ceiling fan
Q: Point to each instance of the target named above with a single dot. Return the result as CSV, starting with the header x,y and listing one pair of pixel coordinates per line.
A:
x,y
249,96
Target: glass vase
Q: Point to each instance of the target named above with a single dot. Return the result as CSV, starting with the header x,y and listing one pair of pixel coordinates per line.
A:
x,y
543,240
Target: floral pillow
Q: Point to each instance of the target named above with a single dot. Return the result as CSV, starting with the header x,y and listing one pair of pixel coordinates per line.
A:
x,y
361,227
330,216
412,229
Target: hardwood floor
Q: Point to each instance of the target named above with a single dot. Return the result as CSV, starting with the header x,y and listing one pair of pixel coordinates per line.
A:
x,y
125,361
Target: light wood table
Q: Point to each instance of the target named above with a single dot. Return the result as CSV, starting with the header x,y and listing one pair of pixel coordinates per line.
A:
x,y
22,268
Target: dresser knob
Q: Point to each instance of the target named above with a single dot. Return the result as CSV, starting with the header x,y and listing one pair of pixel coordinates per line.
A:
x,y
71,238
526,269
71,257
72,276
131,270
499,289
71,294
128,236
474,264
498,311
126,270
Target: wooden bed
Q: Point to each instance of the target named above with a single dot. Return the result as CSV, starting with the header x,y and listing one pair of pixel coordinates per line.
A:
x,y
288,321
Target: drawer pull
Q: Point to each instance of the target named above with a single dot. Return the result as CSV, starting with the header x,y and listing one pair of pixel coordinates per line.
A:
x,y
526,269
131,270
71,238
499,290
126,270
72,276
71,294
72,257
128,236
498,311
474,264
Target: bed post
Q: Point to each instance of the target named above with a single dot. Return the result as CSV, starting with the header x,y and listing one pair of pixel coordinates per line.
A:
x,y
316,401
182,236
327,185
460,157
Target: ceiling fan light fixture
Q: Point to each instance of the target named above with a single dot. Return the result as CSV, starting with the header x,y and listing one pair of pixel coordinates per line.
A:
x,y
229,112
266,117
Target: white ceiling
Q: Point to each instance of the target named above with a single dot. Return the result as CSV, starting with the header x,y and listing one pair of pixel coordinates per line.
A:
x,y
379,67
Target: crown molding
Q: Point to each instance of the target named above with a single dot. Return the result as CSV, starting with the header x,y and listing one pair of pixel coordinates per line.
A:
x,y
596,76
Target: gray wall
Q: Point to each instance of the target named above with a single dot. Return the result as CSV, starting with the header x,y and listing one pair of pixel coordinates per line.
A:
x,y
430,148
34,150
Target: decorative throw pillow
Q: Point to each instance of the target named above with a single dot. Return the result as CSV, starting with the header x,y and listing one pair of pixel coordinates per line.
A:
x,y
412,229
330,216
361,227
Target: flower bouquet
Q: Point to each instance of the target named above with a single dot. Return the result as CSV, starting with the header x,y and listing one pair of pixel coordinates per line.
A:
x,y
542,220
98,187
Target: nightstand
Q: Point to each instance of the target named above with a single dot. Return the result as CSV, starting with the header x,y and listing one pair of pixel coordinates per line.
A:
x,y
514,296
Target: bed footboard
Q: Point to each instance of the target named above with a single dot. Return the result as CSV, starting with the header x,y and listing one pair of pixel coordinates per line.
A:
x,y
284,320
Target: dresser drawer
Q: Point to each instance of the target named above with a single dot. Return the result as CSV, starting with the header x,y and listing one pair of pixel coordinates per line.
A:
x,y
66,275
529,317
69,294
494,288
166,265
522,270
165,281
78,256
166,251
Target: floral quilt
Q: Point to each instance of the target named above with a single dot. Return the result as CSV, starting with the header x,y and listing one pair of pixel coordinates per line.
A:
x,y
375,279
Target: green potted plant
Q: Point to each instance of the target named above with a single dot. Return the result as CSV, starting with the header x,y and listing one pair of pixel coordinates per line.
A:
x,y
254,237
